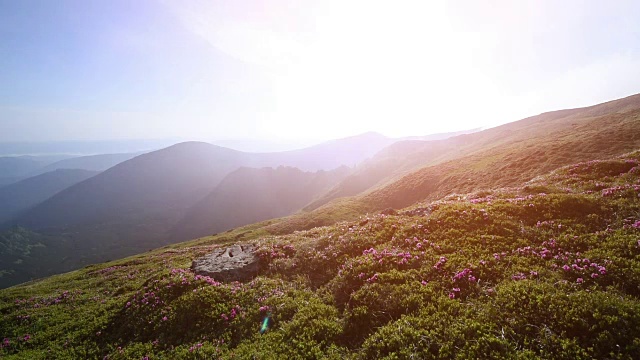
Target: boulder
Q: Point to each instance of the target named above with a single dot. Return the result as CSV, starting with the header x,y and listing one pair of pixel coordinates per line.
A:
x,y
234,263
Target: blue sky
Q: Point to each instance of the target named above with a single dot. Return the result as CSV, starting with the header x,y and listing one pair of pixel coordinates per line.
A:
x,y
294,70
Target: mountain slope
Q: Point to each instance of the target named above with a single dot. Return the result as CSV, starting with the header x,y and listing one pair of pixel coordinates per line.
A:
x,y
18,197
545,270
150,188
15,168
594,126
250,195
506,155
537,145
331,154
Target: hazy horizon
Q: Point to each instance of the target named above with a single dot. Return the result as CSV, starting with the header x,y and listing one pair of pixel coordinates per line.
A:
x,y
116,146
77,70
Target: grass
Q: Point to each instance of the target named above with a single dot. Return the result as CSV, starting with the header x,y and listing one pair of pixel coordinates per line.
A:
x,y
549,269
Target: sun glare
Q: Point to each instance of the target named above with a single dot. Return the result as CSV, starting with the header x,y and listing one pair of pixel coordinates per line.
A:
x,y
338,68
394,67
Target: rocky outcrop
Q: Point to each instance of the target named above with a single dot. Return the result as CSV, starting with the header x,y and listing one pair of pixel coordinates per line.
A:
x,y
234,263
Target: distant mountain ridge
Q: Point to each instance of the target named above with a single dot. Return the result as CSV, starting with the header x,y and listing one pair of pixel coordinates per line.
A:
x,y
18,197
92,162
250,195
135,205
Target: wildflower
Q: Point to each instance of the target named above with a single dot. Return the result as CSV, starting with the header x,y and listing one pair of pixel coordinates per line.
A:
x,y
490,291
165,318
579,280
452,295
423,282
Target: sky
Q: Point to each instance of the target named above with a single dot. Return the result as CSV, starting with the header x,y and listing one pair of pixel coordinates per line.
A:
x,y
295,71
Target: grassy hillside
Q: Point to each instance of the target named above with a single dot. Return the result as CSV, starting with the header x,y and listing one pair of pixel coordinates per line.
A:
x,y
549,269
503,156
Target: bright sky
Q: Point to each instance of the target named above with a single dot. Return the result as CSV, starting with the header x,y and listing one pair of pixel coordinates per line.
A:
x,y
293,69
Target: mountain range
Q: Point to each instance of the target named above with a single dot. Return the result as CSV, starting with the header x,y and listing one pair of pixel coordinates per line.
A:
x,y
196,189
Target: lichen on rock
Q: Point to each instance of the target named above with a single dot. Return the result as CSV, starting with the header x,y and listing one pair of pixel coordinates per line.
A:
x,y
234,263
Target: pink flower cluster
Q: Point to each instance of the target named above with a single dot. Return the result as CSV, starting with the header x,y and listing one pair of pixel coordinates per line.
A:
x,y
373,278
518,276
195,347
440,263
109,269
207,279
486,199
276,251
617,189
585,267
421,244
465,274
402,257
235,311
454,292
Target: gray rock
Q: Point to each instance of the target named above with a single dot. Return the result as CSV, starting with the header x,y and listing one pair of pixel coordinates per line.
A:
x,y
234,263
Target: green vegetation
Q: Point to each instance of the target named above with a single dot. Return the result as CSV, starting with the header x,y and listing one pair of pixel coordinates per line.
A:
x,y
550,269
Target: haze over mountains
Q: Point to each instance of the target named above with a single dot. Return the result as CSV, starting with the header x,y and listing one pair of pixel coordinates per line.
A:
x,y
250,195
137,204
196,189
18,197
